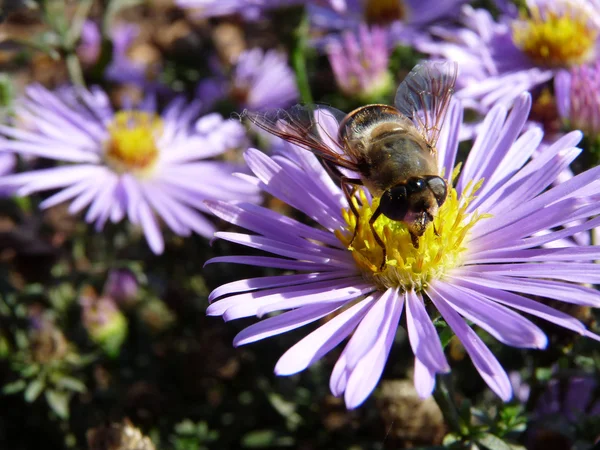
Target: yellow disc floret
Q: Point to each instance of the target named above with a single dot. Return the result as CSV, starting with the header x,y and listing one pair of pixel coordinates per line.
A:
x,y
131,146
557,38
441,248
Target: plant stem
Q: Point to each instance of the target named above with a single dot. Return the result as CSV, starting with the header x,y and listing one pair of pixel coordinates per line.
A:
x,y
74,69
299,60
444,399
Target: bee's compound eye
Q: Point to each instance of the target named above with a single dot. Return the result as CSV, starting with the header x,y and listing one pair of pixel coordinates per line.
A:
x,y
394,203
416,184
438,186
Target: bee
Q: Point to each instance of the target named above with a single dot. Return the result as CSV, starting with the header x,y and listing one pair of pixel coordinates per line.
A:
x,y
390,150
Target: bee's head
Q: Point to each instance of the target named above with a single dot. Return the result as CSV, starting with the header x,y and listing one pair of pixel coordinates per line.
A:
x,y
414,202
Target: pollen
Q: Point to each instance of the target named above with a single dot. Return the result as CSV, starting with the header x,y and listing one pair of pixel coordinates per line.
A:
x,y
552,38
381,12
440,249
132,143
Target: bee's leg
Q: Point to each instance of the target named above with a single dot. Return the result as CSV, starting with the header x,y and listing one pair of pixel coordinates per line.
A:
x,y
372,220
415,240
349,190
349,186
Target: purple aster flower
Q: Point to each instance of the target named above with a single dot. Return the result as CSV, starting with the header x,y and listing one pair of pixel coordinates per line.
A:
x,y
122,286
578,98
500,59
131,163
90,43
122,68
250,9
263,80
571,397
405,18
8,162
481,263
360,63
105,323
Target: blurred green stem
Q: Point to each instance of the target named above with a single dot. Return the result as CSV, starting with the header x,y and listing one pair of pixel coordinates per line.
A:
x,y
69,32
445,400
74,69
74,32
299,60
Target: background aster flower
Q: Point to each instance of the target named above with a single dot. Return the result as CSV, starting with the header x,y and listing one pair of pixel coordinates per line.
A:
x,y
405,18
249,8
123,68
578,98
500,59
134,163
360,64
263,80
482,265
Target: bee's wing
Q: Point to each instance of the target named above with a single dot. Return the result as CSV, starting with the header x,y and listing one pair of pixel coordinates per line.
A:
x,y
424,96
313,128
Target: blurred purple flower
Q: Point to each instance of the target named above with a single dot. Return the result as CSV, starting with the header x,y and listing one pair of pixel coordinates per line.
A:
x,y
122,286
405,18
90,43
570,397
250,9
500,59
132,163
122,68
8,162
578,98
105,323
482,264
360,63
520,388
263,80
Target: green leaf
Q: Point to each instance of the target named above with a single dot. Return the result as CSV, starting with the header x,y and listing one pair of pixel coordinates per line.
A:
x,y
445,332
34,390
14,387
287,409
259,438
114,6
30,370
451,439
59,402
543,373
71,384
491,442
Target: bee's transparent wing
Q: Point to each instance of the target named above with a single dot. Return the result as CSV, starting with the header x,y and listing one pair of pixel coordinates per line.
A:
x,y
424,96
312,127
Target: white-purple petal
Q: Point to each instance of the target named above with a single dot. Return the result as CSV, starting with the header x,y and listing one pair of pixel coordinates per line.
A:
x,y
322,340
484,360
423,336
366,374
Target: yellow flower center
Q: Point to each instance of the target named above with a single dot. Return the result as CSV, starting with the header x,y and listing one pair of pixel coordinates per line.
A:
x,y
407,267
384,11
557,39
131,146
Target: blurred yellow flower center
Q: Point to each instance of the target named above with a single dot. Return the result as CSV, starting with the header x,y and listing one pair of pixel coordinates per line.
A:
x,y
557,39
384,11
407,267
131,146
